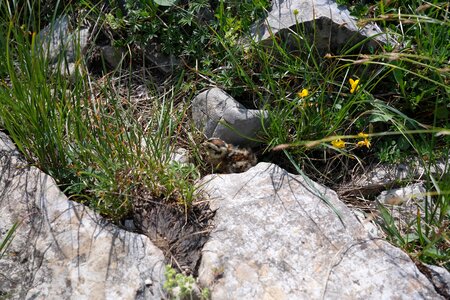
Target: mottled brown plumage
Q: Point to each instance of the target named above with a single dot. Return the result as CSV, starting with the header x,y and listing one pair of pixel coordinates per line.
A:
x,y
226,158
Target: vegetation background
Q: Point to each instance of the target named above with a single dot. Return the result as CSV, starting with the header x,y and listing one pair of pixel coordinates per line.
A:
x,y
331,114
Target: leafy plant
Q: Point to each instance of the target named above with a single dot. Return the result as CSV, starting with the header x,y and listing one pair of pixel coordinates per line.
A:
x,y
427,238
389,152
180,286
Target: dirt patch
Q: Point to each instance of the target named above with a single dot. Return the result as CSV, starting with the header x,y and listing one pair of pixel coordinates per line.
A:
x,y
180,235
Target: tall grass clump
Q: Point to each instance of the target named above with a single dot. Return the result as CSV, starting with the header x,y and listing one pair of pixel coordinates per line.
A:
x,y
84,135
419,75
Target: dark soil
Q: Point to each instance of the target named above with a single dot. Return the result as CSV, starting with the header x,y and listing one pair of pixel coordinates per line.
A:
x,y
180,235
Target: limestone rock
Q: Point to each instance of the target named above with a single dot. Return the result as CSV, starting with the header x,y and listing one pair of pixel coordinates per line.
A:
x,y
367,222
412,169
381,177
414,192
441,279
217,114
386,174
276,238
62,46
180,155
328,27
59,42
63,250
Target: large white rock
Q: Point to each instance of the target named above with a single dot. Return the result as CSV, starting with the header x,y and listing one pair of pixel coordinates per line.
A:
x,y
276,238
63,250
328,26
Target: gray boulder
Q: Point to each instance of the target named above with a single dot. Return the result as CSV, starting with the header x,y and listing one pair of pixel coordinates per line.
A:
x,y
63,250
374,181
441,279
217,114
59,41
326,25
276,238
412,193
63,45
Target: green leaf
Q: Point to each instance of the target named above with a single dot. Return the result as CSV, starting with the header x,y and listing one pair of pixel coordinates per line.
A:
x,y
442,112
166,2
380,118
399,77
8,239
389,225
411,237
434,253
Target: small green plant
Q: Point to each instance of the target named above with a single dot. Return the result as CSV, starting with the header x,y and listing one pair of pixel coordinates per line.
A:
x,y
427,238
179,286
389,152
357,8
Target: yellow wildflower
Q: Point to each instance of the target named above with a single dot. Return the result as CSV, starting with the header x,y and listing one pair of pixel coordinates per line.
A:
x,y
353,85
303,93
366,143
338,143
363,135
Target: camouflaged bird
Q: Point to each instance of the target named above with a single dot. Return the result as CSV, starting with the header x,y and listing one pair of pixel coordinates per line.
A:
x,y
226,158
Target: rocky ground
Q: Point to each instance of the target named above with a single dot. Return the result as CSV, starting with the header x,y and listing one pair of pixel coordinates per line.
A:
x,y
261,234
